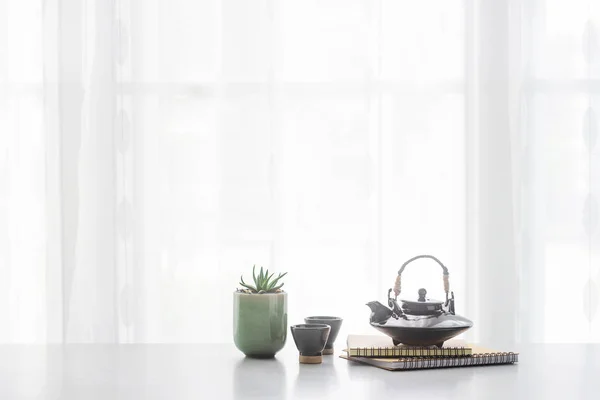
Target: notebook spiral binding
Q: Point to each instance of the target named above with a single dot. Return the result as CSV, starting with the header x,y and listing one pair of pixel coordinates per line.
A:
x,y
406,352
474,360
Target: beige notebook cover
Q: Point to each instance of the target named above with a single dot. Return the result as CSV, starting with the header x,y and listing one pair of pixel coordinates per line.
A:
x,y
382,346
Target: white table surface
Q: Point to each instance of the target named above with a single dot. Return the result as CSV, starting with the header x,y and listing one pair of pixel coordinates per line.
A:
x,y
205,371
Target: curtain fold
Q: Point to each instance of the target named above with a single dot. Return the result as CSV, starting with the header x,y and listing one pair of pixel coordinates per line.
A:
x,y
152,151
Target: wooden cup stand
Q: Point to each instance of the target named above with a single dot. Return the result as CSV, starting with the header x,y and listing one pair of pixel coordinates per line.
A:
x,y
310,359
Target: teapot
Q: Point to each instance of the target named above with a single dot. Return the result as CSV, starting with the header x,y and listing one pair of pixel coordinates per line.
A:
x,y
420,322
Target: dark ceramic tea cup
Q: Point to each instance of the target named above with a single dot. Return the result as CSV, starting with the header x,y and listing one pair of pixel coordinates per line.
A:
x,y
310,340
334,322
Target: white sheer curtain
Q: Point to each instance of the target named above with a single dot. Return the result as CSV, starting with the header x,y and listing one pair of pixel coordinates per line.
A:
x,y
152,151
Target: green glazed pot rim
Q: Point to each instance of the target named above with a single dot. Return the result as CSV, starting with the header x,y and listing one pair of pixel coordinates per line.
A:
x,y
259,294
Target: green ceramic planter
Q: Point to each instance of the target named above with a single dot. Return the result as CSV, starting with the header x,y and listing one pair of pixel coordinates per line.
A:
x,y
259,323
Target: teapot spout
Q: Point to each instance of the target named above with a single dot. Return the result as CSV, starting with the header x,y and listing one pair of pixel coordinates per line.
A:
x,y
379,312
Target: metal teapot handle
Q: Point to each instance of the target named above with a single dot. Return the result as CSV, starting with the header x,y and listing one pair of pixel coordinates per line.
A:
x,y
446,275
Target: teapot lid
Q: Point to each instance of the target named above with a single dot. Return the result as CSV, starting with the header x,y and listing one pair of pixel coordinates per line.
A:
x,y
423,305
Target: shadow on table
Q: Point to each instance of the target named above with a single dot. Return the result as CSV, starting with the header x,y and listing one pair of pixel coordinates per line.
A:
x,y
318,380
442,382
261,379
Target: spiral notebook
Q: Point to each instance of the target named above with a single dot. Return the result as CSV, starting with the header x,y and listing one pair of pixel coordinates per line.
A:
x,y
480,356
382,346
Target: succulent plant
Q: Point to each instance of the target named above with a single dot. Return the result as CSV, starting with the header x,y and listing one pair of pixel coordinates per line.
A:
x,y
263,282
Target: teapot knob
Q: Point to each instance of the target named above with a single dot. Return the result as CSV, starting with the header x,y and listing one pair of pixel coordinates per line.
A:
x,y
422,293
